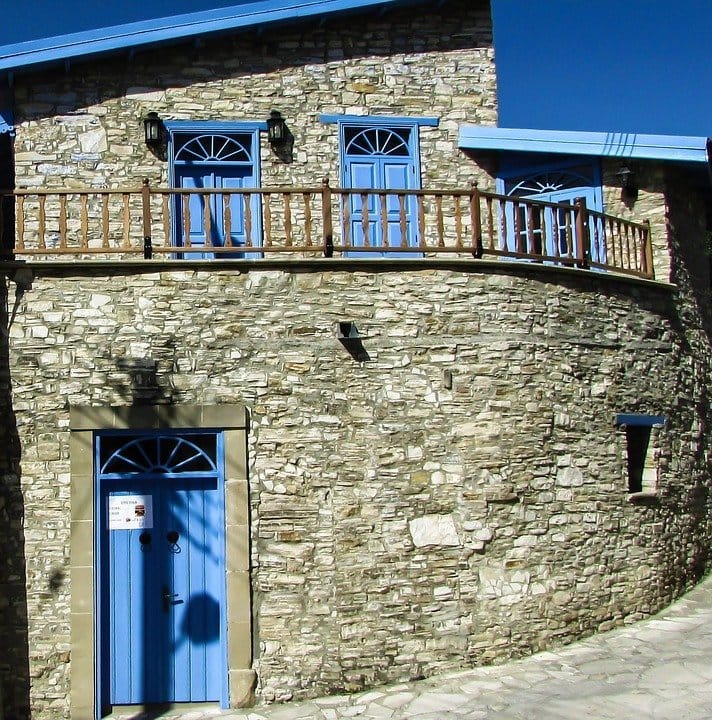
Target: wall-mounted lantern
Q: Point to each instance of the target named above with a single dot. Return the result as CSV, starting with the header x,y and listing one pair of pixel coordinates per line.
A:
x,y
629,184
277,132
153,130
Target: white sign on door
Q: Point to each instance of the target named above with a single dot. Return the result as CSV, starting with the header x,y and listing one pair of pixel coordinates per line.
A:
x,y
130,512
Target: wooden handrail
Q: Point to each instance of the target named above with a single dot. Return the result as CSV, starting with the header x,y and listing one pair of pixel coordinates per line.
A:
x,y
145,221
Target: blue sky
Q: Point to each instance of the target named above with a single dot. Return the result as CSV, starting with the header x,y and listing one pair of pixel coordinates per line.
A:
x,y
607,65
611,65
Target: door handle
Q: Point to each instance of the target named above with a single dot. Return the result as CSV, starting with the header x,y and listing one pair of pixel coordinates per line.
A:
x,y
167,598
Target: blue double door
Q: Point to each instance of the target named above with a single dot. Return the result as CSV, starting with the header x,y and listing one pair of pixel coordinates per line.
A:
x,y
381,159
163,590
217,219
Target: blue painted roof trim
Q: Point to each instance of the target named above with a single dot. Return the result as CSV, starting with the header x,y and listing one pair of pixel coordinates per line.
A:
x,y
640,420
601,144
212,126
100,40
380,120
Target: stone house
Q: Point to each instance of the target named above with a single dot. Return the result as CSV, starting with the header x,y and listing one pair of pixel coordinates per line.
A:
x,y
314,379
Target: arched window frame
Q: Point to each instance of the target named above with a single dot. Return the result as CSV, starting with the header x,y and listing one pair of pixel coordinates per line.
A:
x,y
518,167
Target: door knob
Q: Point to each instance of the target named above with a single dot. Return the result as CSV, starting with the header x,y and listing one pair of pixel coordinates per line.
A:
x,y
172,537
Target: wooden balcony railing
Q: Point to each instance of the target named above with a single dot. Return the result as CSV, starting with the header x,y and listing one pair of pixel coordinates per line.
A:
x,y
147,222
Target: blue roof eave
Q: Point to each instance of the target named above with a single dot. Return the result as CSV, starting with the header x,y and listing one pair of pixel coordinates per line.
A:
x,y
160,30
602,144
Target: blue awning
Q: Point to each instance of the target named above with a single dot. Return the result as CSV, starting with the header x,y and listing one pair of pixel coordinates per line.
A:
x,y
602,144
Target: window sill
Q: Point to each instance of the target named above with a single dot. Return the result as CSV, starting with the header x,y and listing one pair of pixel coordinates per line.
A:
x,y
650,497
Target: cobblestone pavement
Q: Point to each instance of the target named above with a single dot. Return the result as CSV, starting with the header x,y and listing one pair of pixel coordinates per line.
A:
x,y
659,668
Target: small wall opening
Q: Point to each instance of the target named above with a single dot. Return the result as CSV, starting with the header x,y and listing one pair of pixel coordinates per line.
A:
x,y
642,453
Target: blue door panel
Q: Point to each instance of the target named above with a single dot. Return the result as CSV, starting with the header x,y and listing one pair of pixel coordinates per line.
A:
x,y
163,596
380,170
217,177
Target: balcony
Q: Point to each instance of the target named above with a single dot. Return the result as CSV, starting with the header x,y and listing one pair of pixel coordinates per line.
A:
x,y
83,225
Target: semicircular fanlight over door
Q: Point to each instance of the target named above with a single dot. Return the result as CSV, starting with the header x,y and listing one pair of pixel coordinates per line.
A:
x,y
219,161
381,158
213,148
553,230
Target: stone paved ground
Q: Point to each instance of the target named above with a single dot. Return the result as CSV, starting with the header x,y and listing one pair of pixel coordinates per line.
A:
x,y
659,668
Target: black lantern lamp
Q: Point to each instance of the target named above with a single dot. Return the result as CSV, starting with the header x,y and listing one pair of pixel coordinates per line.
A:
x,y
629,184
276,130
152,127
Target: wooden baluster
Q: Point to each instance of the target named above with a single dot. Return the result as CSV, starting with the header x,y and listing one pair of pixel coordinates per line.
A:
x,y
569,233
503,245
307,218
608,229
555,231
491,245
584,242
207,219
42,226
146,219
518,242
62,221
421,221
648,246
346,214
227,219
383,212
403,220
440,221
288,218
267,204
529,209
165,203
105,221
185,200
127,219
458,221
246,199
327,222
627,247
84,220
476,220
365,221
20,222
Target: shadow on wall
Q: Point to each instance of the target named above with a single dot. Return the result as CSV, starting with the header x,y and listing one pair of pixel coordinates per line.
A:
x,y
14,655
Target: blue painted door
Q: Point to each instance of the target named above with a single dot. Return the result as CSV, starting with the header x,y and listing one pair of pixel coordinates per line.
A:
x,y
227,221
554,229
163,586
381,159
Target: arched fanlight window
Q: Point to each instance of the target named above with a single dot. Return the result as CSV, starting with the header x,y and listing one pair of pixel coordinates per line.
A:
x,y
377,141
547,182
159,454
212,148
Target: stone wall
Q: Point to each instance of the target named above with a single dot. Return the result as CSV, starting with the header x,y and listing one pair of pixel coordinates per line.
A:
x,y
458,499
84,127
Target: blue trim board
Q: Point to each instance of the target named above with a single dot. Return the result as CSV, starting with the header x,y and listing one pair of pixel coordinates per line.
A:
x,y
107,39
380,120
215,126
616,145
640,420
